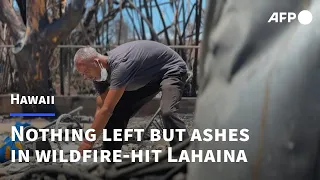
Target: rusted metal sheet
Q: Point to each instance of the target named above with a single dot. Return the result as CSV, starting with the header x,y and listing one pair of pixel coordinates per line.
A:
x,y
263,77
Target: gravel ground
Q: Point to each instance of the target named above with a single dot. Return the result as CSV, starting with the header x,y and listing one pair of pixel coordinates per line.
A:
x,y
15,170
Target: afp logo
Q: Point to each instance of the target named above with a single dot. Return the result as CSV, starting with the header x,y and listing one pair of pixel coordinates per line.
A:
x,y
304,17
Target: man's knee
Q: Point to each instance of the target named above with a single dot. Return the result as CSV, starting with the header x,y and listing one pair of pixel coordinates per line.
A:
x,y
167,114
171,119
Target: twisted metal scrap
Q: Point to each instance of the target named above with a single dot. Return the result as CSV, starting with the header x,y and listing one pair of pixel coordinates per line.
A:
x,y
161,170
65,119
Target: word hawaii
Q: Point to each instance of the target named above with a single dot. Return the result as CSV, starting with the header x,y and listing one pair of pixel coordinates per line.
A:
x,y
17,99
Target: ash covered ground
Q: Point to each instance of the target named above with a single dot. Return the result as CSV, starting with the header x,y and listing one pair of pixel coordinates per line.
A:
x,y
16,170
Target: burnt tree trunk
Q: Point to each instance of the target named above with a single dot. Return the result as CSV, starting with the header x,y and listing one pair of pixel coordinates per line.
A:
x,y
33,73
35,43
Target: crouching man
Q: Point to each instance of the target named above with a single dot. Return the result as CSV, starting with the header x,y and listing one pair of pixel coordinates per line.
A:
x,y
126,78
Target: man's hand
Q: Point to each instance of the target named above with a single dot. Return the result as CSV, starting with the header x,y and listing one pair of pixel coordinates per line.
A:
x,y
85,146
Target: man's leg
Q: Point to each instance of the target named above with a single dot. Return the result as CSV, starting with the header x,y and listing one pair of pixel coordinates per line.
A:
x,y
172,89
129,104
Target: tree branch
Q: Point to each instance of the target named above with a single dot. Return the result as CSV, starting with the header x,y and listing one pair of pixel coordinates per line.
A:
x,y
168,27
163,23
160,4
91,11
193,34
9,16
187,22
85,22
61,28
112,14
134,26
153,32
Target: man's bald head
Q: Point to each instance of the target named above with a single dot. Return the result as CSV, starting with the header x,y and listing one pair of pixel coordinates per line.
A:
x,y
89,62
85,55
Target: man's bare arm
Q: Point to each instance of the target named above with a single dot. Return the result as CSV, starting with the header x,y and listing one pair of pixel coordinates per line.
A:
x,y
106,103
99,101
